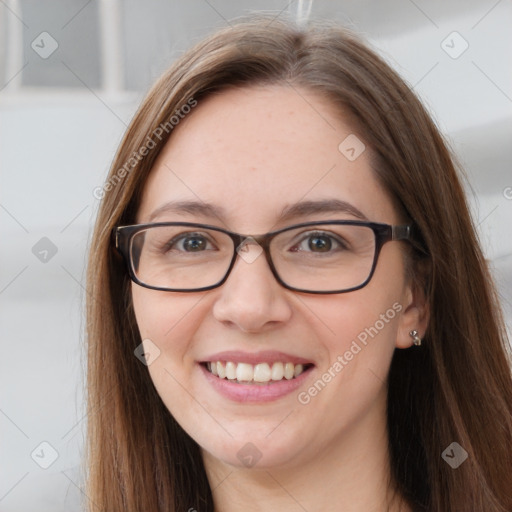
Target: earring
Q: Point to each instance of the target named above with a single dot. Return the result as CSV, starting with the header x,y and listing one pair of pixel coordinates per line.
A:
x,y
415,338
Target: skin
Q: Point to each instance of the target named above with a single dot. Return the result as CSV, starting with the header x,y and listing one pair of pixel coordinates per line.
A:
x,y
254,151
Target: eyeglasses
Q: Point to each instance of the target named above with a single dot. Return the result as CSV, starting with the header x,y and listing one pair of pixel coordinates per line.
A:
x,y
314,257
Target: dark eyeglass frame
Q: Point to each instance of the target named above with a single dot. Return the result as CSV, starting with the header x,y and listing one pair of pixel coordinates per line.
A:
x,y
123,235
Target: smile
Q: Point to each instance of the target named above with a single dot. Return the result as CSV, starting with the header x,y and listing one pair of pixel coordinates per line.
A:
x,y
261,373
255,377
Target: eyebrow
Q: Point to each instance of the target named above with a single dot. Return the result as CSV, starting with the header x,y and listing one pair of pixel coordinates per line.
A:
x,y
300,209
305,208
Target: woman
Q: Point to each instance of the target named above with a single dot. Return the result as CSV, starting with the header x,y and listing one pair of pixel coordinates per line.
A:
x,y
354,357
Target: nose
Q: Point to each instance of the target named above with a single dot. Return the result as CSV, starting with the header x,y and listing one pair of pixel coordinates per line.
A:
x,y
251,299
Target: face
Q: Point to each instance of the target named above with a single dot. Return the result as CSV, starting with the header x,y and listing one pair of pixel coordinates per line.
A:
x,y
252,153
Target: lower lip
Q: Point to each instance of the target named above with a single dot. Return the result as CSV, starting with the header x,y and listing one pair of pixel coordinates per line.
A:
x,y
254,392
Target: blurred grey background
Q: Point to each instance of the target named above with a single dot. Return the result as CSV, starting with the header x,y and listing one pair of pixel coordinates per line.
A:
x,y
71,76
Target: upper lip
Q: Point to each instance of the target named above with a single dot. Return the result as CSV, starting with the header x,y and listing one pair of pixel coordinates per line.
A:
x,y
267,356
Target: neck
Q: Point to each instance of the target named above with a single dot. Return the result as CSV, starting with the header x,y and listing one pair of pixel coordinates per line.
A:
x,y
351,474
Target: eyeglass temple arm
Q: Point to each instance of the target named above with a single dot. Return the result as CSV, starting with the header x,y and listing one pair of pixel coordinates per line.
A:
x,y
409,232
401,232
118,240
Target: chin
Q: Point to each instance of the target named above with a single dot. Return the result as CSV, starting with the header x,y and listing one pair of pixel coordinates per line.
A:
x,y
255,452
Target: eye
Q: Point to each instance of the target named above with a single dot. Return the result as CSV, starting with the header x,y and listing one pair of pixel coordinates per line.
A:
x,y
318,242
189,242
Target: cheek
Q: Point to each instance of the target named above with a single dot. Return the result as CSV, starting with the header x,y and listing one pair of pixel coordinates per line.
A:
x,y
170,322
368,315
165,318
360,332
361,329
352,380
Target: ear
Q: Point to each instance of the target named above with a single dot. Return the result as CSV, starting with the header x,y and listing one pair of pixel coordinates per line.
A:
x,y
414,317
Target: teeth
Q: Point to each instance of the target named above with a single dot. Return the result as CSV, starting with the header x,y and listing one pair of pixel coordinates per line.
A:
x,y
221,370
244,372
230,370
289,371
277,371
261,373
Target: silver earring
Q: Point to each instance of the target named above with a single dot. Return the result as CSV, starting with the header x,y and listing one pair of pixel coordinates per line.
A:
x,y
415,338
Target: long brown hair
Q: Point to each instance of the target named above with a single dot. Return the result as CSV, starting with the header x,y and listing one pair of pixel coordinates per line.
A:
x,y
456,387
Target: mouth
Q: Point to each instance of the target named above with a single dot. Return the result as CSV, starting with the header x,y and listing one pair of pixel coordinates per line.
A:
x,y
255,377
260,374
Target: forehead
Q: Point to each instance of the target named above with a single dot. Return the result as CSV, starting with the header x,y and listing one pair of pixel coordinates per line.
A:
x,y
255,151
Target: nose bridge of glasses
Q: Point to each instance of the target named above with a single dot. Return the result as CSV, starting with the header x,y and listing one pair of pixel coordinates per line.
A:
x,y
250,247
